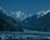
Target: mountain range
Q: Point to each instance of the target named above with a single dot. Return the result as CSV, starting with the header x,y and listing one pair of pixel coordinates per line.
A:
x,y
38,22
29,20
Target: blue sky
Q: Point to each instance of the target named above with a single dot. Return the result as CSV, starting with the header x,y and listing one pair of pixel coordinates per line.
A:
x,y
26,6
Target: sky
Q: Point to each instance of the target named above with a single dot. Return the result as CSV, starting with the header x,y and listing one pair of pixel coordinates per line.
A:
x,y
26,6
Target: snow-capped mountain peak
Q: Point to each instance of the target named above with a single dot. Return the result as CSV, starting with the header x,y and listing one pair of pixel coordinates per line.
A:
x,y
15,14
20,15
42,13
46,11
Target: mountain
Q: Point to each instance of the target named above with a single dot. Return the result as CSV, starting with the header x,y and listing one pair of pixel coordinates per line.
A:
x,y
39,22
42,13
28,21
42,24
31,19
19,15
8,23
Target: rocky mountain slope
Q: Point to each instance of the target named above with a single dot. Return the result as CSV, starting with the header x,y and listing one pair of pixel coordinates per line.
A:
x,y
7,23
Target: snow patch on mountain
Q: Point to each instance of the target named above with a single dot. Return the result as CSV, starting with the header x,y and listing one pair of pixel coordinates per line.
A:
x,y
42,13
20,15
16,14
4,12
46,12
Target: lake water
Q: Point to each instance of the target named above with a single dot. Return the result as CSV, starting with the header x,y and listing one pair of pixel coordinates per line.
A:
x,y
32,35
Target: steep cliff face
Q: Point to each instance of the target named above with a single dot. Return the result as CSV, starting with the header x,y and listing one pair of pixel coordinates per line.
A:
x,y
7,23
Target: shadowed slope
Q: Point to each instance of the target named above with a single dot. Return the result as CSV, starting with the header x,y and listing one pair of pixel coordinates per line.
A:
x,y
7,23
